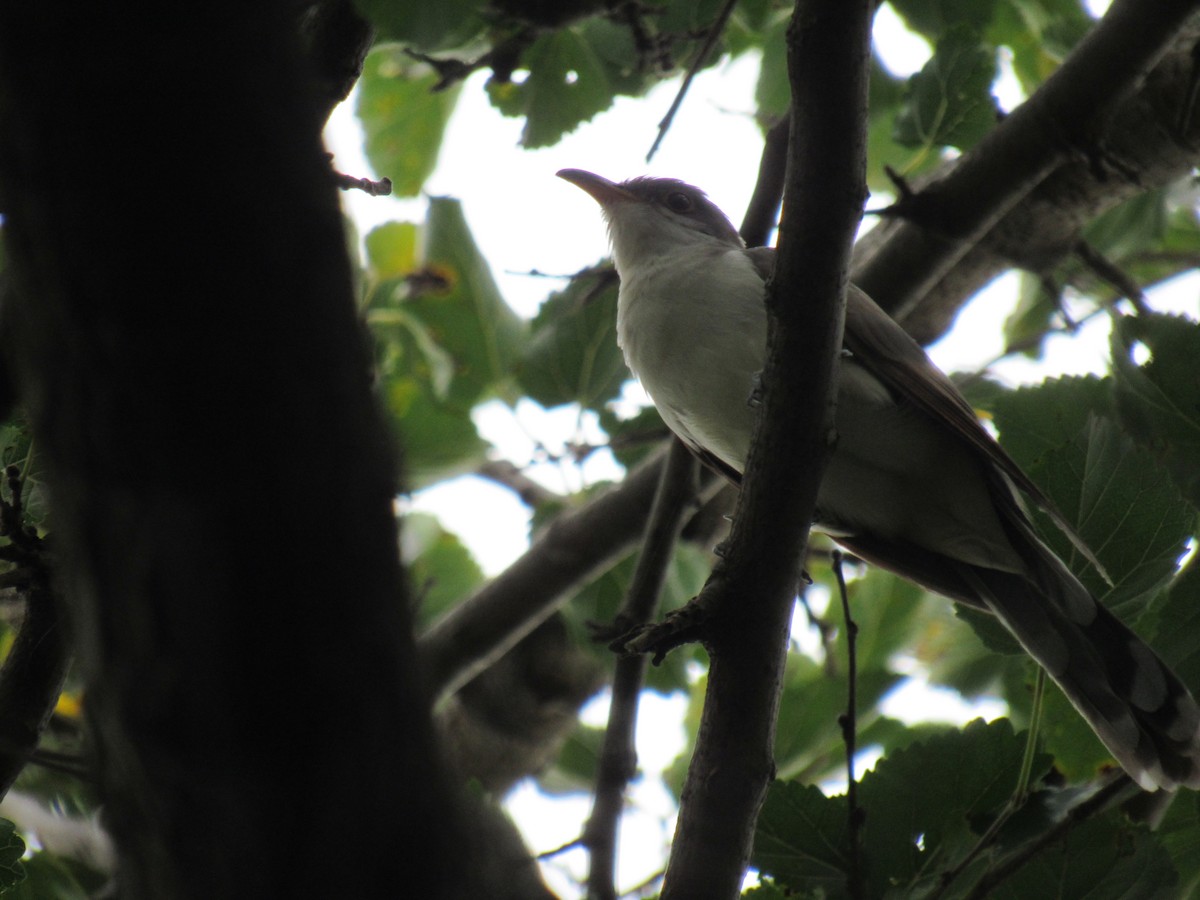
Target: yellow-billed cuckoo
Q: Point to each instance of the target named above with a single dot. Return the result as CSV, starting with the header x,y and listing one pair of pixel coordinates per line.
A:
x,y
914,483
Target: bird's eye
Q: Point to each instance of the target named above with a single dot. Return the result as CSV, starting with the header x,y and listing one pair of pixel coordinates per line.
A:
x,y
678,201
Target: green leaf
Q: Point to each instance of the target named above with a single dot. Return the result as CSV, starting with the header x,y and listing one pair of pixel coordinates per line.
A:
x,y
1066,735
403,119
425,26
928,804
437,441
392,250
1040,34
572,354
1120,500
1134,225
442,569
949,101
925,808
445,339
773,92
460,305
1098,859
1179,619
1031,318
1180,836
808,737
567,85
1160,402
801,839
574,771
49,875
12,848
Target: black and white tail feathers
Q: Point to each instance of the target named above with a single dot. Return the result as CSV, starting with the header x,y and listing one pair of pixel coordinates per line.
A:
x,y
1137,706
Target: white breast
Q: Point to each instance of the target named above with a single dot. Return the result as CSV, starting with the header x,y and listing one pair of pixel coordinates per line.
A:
x,y
694,330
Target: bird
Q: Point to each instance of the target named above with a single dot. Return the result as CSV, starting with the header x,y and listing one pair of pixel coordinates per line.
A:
x,y
914,483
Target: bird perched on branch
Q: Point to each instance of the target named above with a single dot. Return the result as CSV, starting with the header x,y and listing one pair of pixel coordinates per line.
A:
x,y
914,483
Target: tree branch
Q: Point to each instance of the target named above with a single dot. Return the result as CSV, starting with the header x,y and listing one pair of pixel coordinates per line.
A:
x,y
1022,194
573,549
618,755
175,418
828,53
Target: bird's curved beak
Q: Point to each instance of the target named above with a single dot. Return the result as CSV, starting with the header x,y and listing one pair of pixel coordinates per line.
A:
x,y
604,192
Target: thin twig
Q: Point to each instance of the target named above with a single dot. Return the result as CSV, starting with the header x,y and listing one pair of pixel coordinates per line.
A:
x,y
1035,721
508,475
618,756
380,188
714,32
848,721
762,212
1112,275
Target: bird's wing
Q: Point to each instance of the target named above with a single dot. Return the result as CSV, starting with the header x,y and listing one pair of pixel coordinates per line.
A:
x,y
880,345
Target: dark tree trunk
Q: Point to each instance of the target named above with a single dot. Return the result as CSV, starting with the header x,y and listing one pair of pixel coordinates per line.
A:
x,y
184,335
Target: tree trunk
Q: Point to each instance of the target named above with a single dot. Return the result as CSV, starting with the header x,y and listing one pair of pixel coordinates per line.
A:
x,y
184,335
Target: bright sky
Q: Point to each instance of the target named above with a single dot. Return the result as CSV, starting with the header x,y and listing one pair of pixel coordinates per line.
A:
x,y
524,218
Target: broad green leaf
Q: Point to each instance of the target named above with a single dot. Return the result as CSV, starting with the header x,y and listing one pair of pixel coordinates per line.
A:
x,y
1127,510
925,807
403,118
566,85
944,791
48,875
949,101
1137,223
773,92
572,354
1179,623
12,848
574,771
1102,858
1160,402
888,612
445,339
884,104
392,250
1120,500
442,569
1036,422
465,313
1040,34
1180,836
1066,736
802,839
1031,318
437,441
446,24
808,738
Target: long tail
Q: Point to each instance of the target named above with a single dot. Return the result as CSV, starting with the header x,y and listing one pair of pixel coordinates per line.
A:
x,y
1136,705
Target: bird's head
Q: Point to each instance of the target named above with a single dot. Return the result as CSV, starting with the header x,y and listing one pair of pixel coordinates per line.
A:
x,y
653,216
